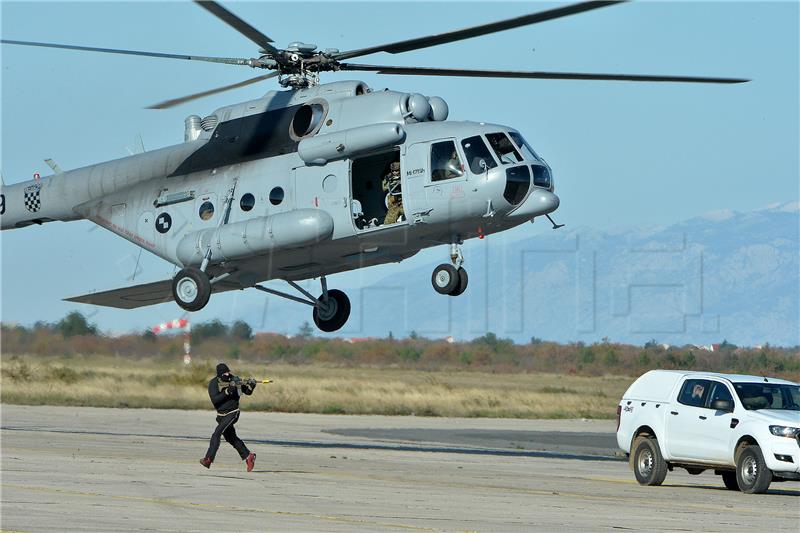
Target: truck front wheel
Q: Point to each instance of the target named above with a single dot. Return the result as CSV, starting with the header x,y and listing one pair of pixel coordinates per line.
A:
x,y
648,464
752,473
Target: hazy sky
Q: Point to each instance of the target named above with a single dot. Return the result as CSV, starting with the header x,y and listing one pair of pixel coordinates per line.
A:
x,y
623,154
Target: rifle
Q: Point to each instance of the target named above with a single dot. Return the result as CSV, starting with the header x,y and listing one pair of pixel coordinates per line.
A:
x,y
239,382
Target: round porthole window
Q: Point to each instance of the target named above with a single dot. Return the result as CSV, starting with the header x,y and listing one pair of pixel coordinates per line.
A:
x,y
247,202
206,211
276,196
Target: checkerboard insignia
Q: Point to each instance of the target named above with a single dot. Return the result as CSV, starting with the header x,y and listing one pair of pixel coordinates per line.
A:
x,y
33,201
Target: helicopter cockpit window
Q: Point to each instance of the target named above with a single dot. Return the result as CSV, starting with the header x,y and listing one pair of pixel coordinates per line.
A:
x,y
502,146
478,155
445,163
307,120
526,148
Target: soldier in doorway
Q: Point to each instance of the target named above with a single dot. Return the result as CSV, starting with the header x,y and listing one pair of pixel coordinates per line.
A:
x,y
391,185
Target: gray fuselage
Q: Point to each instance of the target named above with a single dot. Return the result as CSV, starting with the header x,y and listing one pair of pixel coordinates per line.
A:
x,y
303,171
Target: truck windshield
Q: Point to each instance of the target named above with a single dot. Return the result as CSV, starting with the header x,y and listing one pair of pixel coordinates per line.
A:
x,y
768,396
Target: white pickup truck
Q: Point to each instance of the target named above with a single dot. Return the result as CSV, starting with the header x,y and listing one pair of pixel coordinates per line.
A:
x,y
745,428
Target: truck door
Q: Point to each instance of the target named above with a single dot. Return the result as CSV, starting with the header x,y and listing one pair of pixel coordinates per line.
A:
x,y
686,421
718,431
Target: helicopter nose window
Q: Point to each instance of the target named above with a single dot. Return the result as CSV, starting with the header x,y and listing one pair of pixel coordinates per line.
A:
x,y
502,146
526,149
518,181
445,163
541,176
276,196
247,202
478,155
206,211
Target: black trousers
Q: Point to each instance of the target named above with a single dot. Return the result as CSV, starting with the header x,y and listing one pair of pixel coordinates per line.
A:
x,y
225,429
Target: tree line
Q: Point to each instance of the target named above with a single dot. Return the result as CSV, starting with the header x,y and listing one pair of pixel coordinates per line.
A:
x,y
215,340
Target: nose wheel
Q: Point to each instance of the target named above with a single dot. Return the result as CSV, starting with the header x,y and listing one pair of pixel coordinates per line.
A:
x,y
451,279
191,289
447,279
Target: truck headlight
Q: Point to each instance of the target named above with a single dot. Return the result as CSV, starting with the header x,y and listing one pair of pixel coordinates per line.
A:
x,y
784,431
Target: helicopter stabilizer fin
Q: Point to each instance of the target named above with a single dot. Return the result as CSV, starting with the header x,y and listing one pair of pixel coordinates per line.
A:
x,y
156,292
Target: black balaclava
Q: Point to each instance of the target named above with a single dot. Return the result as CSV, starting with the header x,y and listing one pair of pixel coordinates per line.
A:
x,y
221,369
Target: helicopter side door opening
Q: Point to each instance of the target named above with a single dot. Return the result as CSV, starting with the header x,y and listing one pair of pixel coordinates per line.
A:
x,y
377,190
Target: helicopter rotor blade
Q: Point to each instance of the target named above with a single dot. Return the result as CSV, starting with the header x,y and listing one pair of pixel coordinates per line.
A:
x,y
239,25
183,99
226,60
475,31
472,73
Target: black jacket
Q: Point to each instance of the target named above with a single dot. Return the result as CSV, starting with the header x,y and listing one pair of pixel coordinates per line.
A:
x,y
225,401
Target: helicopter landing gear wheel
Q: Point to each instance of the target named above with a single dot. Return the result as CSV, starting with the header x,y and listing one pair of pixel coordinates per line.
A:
x,y
463,279
445,279
191,289
332,315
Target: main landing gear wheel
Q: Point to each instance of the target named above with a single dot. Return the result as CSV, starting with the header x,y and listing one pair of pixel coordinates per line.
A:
x,y
191,289
332,315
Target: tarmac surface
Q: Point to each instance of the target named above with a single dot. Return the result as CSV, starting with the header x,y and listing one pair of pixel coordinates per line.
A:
x,y
86,469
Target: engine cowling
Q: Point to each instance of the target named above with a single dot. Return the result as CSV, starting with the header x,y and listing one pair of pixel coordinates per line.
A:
x,y
320,149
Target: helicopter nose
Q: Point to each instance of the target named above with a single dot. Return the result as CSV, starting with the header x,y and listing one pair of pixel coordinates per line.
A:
x,y
540,202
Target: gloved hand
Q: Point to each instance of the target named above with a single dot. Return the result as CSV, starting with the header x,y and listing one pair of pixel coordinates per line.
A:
x,y
231,389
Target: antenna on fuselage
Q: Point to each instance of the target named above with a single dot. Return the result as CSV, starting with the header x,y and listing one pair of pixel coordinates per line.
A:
x,y
138,148
52,164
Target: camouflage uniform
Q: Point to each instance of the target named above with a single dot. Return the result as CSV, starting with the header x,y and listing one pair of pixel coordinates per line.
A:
x,y
392,182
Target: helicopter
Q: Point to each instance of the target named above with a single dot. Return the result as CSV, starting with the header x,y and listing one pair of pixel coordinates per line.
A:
x,y
312,180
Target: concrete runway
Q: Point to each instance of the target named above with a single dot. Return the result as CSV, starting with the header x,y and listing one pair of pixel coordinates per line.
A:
x,y
84,469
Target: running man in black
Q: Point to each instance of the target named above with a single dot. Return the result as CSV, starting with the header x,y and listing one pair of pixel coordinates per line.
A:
x,y
226,402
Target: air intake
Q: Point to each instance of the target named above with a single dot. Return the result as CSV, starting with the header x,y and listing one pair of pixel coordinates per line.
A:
x,y
209,123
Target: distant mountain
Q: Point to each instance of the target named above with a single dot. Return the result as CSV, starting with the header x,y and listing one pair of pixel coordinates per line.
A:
x,y
726,275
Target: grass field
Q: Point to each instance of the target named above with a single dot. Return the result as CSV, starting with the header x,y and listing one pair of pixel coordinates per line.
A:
x,y
161,383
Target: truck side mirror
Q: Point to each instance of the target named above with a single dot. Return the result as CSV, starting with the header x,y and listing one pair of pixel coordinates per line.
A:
x,y
722,405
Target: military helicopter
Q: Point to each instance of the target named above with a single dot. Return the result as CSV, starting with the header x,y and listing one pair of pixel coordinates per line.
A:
x,y
312,180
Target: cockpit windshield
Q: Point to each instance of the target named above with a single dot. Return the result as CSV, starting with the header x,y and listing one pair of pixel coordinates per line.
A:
x,y
526,148
768,396
478,156
502,146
